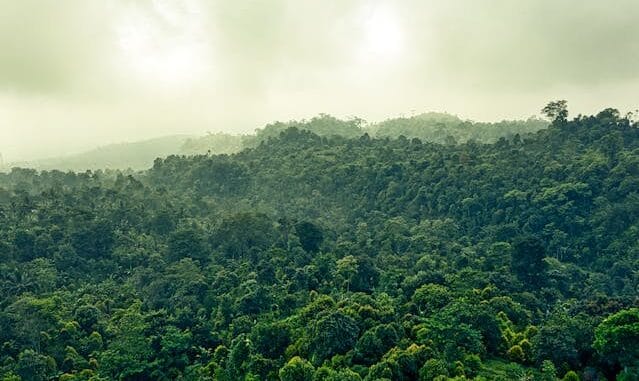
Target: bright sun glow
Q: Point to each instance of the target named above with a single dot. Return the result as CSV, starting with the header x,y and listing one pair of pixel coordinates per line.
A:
x,y
383,35
164,47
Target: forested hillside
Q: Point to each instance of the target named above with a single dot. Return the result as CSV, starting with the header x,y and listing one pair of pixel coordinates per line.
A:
x,y
449,129
429,127
332,257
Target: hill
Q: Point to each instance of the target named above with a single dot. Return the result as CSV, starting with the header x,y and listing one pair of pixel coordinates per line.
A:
x,y
449,129
313,257
431,127
134,155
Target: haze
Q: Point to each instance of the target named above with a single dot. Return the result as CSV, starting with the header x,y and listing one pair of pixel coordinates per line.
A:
x,y
80,73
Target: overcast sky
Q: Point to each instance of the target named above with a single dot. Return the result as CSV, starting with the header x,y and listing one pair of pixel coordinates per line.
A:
x,y
79,73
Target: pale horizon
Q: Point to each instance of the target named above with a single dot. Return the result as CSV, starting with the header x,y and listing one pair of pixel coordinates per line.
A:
x,y
80,74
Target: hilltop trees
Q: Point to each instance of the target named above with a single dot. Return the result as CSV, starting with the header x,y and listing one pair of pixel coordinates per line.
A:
x,y
557,111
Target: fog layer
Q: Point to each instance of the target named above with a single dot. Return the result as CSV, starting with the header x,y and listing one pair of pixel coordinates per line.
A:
x,y
79,73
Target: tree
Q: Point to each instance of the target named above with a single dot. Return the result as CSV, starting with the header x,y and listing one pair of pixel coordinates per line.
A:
x,y
515,353
367,275
30,317
564,339
333,333
33,366
557,111
187,243
24,242
72,360
39,275
271,339
128,355
297,369
326,373
528,260
571,376
93,239
88,316
239,355
431,297
548,371
617,336
310,236
372,345
175,345
238,234
346,270
432,369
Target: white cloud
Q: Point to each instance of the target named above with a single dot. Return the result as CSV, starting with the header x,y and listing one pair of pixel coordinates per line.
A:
x,y
75,73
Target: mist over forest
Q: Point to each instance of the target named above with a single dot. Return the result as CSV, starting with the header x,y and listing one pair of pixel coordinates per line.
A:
x,y
357,190
79,74
431,127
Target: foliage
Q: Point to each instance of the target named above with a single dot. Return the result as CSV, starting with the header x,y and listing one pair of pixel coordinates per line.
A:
x,y
617,336
331,250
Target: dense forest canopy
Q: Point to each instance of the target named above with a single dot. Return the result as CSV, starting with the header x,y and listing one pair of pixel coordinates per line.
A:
x,y
332,254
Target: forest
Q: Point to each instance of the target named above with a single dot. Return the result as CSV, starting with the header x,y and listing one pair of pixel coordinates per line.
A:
x,y
350,255
138,155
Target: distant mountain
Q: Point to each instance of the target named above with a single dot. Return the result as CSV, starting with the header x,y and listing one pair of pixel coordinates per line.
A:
x,y
133,155
217,143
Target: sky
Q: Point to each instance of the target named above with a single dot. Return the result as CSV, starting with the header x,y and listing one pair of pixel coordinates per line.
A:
x,y
75,74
